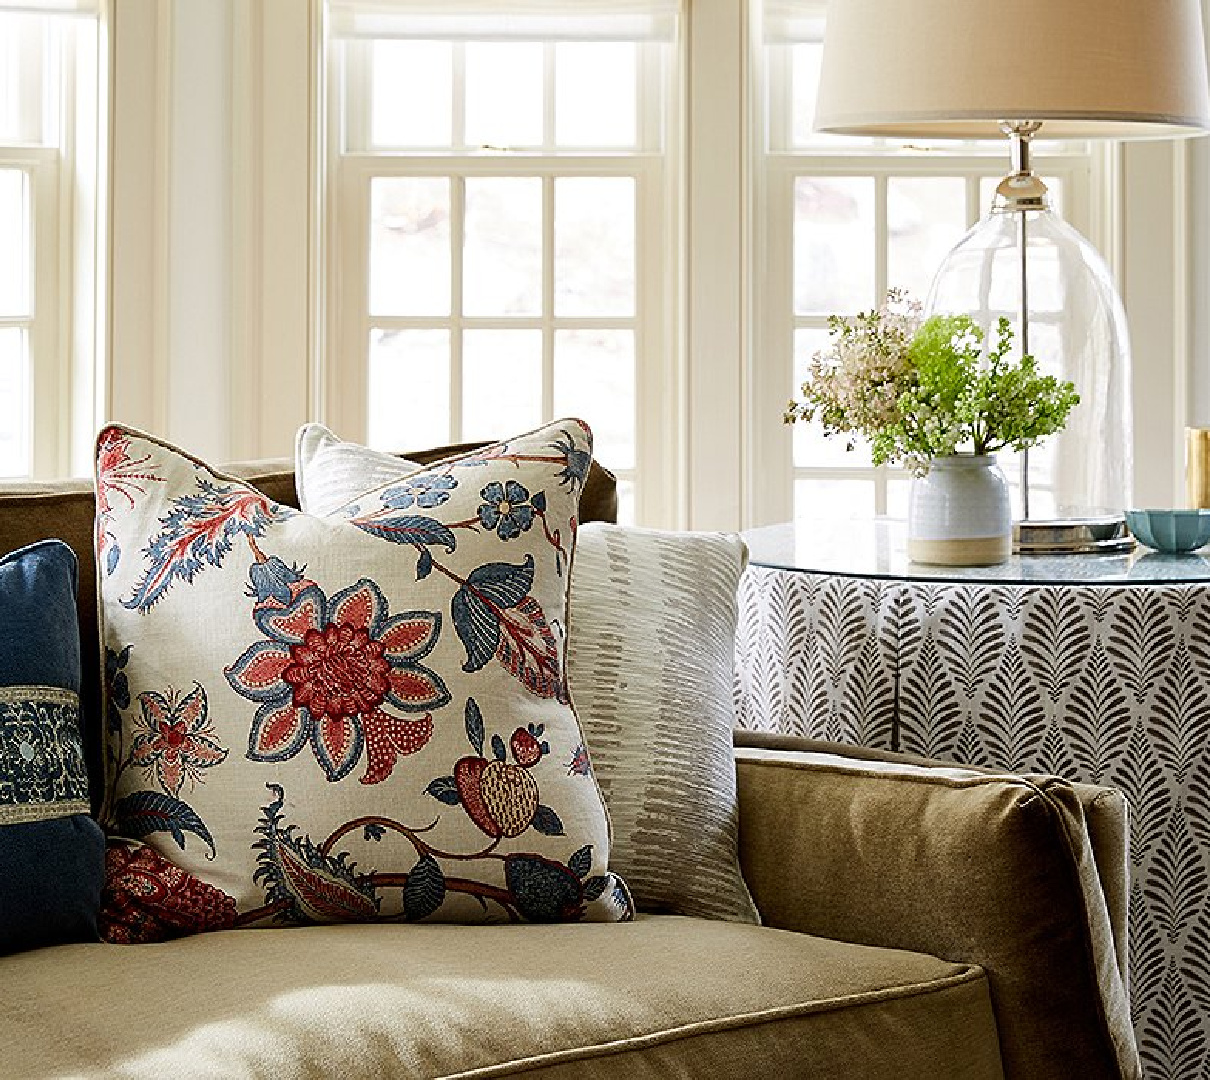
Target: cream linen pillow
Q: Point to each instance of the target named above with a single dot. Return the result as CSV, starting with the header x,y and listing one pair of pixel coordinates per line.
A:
x,y
337,467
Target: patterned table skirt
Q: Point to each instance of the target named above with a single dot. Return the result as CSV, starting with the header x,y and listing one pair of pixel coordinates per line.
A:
x,y
1104,684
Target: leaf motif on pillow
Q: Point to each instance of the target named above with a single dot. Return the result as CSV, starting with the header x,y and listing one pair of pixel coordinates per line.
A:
x,y
142,813
304,883
408,529
198,532
494,616
424,891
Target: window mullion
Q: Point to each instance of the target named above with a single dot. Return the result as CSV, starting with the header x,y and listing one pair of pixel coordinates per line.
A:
x,y
457,240
458,89
548,298
548,97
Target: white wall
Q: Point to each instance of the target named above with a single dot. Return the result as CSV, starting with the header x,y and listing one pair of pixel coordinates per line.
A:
x,y
211,222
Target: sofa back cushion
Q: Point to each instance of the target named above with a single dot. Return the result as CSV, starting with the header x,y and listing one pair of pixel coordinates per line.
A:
x,y
65,509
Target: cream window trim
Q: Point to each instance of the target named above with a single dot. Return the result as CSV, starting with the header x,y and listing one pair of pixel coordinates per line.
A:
x,y
65,190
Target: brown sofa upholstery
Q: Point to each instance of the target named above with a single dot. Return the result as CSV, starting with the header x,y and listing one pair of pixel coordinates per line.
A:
x,y
920,922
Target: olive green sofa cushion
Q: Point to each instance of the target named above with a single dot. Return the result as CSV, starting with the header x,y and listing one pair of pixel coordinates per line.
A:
x,y
665,996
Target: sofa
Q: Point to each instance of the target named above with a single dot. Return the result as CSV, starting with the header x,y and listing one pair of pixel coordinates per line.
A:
x,y
918,920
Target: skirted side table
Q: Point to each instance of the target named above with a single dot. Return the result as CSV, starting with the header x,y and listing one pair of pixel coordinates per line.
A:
x,y
1093,667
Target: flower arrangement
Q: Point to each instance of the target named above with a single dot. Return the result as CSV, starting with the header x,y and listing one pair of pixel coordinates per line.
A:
x,y
917,388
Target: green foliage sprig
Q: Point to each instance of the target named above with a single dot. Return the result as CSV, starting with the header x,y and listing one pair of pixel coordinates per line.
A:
x,y
917,390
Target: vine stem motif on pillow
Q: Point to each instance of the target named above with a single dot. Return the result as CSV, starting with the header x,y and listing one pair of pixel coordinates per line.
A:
x,y
307,882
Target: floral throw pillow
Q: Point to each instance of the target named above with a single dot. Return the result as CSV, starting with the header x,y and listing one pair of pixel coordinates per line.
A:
x,y
356,718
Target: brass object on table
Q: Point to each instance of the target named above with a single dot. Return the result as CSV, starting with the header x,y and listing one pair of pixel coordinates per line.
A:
x,y
1197,467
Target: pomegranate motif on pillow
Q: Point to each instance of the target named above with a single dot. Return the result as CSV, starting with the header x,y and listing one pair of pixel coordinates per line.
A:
x,y
498,795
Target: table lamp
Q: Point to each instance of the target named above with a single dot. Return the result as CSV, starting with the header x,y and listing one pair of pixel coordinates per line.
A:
x,y
971,69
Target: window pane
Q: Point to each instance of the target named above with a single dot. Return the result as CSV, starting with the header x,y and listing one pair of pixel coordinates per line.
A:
x,y
812,449
502,273
926,216
410,246
409,389
594,246
504,94
833,244
831,499
898,488
10,77
625,502
14,243
29,87
594,380
14,432
412,93
595,94
805,81
501,382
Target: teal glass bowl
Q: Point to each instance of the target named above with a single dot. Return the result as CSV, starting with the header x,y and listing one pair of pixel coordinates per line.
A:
x,y
1170,530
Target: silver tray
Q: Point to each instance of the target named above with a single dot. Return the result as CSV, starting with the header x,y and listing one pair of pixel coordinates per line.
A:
x,y
1104,534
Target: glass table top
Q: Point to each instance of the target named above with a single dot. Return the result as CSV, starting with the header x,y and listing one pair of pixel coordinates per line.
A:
x,y
877,548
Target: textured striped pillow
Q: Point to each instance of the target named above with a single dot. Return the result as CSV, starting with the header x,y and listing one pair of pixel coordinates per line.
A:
x,y
651,642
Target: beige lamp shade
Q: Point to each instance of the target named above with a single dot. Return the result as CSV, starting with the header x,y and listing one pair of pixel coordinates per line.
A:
x,y
956,68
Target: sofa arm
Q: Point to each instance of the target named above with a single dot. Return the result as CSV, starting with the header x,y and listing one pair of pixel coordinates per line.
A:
x,y
992,869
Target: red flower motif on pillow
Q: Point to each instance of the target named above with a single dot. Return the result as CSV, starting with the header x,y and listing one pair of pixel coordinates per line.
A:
x,y
331,669
147,898
174,738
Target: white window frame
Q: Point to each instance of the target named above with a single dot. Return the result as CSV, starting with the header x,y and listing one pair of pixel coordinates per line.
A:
x,y
344,365
64,189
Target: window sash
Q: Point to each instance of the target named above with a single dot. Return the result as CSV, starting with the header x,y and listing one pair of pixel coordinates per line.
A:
x,y
347,385
527,20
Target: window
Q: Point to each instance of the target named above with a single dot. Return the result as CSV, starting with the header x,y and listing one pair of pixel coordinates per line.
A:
x,y
48,124
499,187
844,219
553,211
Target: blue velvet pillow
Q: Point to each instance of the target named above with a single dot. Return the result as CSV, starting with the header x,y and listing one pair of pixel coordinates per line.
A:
x,y
52,854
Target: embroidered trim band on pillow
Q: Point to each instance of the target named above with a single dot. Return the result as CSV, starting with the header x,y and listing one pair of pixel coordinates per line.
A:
x,y
338,719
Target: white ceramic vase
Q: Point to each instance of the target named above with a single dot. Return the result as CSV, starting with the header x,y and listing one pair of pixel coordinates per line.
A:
x,y
959,513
